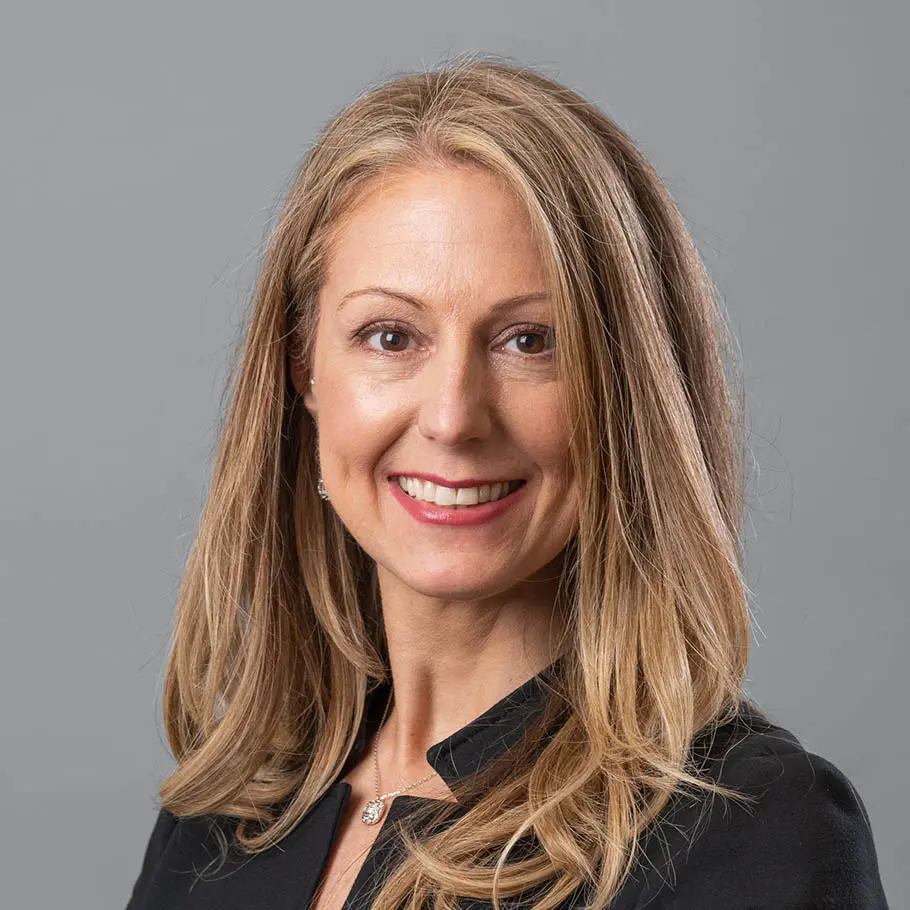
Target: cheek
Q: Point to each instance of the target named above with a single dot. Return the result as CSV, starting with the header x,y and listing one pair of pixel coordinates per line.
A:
x,y
359,420
537,424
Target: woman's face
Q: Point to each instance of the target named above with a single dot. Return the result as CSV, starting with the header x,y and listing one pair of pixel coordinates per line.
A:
x,y
437,379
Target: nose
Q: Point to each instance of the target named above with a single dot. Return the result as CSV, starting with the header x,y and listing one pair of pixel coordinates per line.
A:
x,y
455,399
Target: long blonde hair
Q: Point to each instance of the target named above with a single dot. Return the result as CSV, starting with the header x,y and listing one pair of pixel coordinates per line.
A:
x,y
278,636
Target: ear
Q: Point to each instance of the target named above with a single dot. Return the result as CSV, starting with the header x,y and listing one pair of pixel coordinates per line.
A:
x,y
301,380
309,398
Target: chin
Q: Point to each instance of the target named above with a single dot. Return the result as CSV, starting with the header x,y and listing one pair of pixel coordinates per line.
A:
x,y
462,585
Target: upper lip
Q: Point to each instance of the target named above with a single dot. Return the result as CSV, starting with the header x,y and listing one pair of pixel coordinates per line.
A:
x,y
448,482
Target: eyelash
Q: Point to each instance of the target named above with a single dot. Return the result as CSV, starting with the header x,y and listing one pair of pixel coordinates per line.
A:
x,y
373,328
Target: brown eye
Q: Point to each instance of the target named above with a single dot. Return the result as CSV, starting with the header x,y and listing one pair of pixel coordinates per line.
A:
x,y
392,339
532,342
395,343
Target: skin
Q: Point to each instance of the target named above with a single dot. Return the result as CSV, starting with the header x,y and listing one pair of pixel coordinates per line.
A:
x,y
460,390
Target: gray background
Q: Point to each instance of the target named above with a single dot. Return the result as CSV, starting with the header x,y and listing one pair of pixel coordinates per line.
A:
x,y
144,153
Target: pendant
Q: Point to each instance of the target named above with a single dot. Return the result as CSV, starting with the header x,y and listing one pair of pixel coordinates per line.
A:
x,y
372,812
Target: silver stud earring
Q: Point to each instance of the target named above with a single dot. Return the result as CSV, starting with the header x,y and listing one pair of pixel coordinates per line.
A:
x,y
320,486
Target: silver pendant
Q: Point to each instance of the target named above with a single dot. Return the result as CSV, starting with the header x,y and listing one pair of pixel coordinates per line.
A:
x,y
372,812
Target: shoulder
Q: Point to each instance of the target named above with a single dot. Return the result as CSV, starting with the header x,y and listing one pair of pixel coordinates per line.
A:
x,y
158,839
803,841
179,847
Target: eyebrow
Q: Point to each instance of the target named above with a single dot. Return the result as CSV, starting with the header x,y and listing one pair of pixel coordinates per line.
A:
x,y
420,305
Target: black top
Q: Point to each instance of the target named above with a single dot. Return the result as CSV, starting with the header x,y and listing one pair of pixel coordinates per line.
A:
x,y
805,844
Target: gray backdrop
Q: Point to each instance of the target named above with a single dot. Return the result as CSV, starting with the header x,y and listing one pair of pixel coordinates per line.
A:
x,y
145,151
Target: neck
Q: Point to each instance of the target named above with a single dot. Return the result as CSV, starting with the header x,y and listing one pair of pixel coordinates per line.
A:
x,y
452,660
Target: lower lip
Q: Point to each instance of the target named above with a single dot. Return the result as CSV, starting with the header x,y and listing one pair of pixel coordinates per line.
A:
x,y
430,513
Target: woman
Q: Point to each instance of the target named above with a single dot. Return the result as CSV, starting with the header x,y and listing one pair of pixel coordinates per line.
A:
x,y
465,618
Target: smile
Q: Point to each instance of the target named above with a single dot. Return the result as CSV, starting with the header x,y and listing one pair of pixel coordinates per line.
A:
x,y
456,497
444,508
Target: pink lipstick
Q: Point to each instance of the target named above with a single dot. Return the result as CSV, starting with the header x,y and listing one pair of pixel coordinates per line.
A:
x,y
430,513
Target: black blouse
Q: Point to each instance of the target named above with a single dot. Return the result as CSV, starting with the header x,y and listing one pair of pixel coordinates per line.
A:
x,y
806,844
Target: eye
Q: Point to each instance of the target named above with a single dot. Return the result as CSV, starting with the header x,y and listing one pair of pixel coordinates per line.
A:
x,y
535,338
391,343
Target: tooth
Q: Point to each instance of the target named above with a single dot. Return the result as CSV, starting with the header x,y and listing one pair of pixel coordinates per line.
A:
x,y
455,497
467,496
445,496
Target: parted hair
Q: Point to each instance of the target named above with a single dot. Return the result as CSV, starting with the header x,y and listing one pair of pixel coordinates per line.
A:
x,y
278,635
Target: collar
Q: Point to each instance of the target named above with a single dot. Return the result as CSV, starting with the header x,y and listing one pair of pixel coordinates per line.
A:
x,y
469,749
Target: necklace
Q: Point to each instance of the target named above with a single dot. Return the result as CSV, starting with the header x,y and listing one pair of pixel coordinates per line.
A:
x,y
374,809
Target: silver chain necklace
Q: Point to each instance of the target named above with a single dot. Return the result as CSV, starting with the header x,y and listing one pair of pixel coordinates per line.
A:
x,y
374,809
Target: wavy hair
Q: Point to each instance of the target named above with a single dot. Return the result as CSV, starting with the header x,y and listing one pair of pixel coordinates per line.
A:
x,y
278,635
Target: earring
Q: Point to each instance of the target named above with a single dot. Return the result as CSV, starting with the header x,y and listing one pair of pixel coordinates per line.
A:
x,y
320,486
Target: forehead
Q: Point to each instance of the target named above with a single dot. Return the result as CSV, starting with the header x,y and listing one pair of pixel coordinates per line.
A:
x,y
437,231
